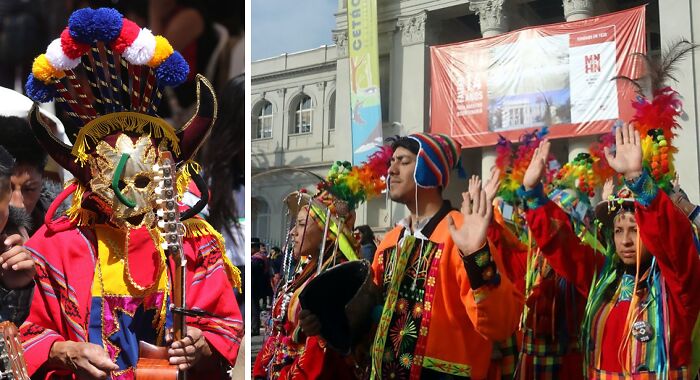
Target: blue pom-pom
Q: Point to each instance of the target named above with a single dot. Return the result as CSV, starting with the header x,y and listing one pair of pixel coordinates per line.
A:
x,y
38,91
107,23
173,71
81,25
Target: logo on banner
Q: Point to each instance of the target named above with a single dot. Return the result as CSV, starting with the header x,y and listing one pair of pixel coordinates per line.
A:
x,y
592,63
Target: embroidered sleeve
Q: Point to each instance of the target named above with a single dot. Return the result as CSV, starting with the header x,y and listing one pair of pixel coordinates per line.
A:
x,y
644,188
481,268
14,304
534,198
554,235
668,235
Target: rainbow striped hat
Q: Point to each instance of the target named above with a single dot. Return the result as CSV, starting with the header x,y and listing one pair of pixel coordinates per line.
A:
x,y
437,156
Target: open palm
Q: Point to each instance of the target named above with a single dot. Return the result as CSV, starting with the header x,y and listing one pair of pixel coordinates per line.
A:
x,y
535,170
628,152
471,235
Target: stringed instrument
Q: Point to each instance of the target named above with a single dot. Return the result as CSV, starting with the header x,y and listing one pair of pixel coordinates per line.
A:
x,y
153,361
12,365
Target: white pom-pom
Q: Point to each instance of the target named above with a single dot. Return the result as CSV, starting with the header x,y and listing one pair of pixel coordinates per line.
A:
x,y
142,49
56,57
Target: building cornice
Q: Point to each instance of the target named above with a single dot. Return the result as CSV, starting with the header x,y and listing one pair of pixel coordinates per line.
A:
x,y
291,73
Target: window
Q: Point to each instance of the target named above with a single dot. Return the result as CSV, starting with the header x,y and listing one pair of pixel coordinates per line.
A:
x,y
261,218
331,113
302,118
263,127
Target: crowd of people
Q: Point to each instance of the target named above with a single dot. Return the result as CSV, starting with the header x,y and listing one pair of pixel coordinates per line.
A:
x,y
530,278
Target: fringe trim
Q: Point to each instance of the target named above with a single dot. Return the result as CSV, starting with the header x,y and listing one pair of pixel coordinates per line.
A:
x,y
196,228
97,129
75,212
184,177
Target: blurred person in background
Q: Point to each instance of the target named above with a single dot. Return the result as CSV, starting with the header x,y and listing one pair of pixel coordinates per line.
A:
x,y
367,243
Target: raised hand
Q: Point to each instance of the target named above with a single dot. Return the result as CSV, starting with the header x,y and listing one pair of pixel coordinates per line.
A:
x,y
471,235
16,264
492,185
608,189
474,186
186,352
628,152
538,163
86,360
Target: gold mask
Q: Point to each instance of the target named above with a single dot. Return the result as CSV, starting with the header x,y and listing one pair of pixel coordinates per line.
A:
x,y
123,176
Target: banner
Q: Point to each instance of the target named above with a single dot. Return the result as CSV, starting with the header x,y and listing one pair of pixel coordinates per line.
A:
x,y
556,75
365,103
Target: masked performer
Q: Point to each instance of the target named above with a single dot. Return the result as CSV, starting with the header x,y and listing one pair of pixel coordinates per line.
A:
x,y
104,278
322,237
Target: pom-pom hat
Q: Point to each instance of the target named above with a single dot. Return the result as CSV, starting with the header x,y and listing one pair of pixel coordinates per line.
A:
x,y
108,75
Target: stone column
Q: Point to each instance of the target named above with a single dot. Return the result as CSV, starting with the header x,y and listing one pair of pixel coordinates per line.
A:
x,y
575,10
493,20
342,97
676,21
412,62
493,16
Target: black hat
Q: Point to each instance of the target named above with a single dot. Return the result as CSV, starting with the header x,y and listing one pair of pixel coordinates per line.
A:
x,y
342,298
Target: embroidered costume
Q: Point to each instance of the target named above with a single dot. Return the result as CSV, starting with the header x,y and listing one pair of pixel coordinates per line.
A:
x,y
103,275
442,312
287,352
663,301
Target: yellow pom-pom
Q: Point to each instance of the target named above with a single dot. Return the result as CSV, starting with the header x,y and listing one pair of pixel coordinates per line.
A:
x,y
162,52
42,70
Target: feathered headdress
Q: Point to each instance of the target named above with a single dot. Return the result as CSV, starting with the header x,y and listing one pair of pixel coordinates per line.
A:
x,y
656,119
587,171
513,162
353,185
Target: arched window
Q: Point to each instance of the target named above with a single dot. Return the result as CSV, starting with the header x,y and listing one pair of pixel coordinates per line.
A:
x,y
263,125
331,113
303,115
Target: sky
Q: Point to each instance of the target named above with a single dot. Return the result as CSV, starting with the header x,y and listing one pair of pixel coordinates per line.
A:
x,y
284,26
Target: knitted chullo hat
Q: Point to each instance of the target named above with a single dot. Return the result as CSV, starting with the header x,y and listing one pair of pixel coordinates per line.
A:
x,y
437,156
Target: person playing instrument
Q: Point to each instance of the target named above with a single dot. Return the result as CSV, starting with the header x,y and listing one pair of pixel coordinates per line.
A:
x,y
321,234
16,264
104,279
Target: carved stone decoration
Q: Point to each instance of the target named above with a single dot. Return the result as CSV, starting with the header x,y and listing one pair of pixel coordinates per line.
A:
x,y
493,19
320,86
340,38
412,28
578,9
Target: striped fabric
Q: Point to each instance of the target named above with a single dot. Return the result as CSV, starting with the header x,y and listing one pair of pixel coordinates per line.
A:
x,y
438,155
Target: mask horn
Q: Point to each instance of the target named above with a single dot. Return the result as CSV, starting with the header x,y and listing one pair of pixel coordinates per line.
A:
x,y
197,129
60,152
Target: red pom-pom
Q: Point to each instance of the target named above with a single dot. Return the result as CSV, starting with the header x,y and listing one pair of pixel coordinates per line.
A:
x,y
654,164
71,48
126,37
